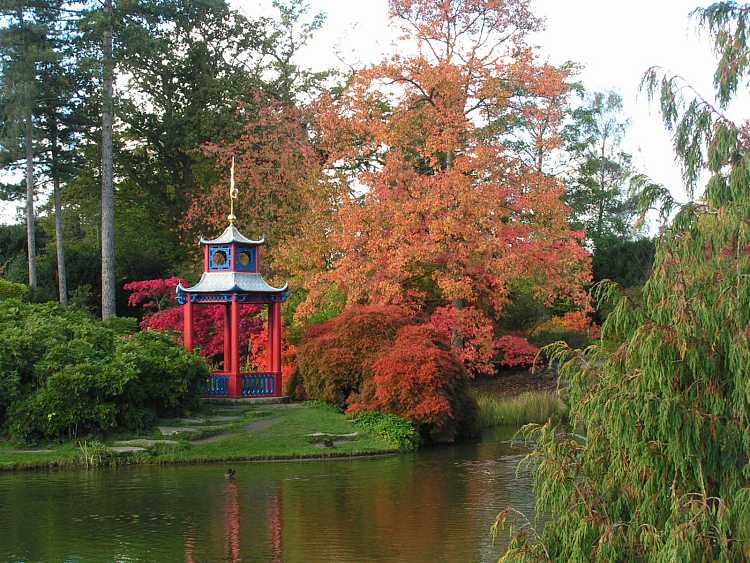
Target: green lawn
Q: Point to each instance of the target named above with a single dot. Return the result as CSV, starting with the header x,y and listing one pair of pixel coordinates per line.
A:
x,y
259,432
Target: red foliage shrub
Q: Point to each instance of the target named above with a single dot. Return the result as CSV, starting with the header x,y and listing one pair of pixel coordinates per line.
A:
x,y
336,357
208,320
150,294
476,333
259,359
516,351
420,378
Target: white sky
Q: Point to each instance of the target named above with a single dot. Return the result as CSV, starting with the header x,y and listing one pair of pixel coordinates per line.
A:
x,y
615,41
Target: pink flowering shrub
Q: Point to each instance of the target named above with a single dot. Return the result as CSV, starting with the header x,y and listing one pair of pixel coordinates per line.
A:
x,y
208,320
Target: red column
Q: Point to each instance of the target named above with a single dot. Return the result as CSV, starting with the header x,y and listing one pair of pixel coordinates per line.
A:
x,y
234,378
187,324
277,345
270,332
227,339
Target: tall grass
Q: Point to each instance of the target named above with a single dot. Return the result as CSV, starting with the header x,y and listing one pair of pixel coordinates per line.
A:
x,y
535,406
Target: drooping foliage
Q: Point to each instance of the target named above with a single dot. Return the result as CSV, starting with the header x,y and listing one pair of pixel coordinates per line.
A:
x,y
419,377
335,358
661,470
382,358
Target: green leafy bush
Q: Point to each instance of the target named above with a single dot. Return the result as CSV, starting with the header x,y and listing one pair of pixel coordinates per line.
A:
x,y
397,431
13,290
524,308
573,339
122,326
63,374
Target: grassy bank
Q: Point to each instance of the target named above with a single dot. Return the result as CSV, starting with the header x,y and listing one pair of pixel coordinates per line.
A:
x,y
532,406
219,432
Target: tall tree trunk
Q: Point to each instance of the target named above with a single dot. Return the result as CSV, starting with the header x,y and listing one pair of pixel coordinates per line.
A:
x,y
29,143
30,232
108,207
62,278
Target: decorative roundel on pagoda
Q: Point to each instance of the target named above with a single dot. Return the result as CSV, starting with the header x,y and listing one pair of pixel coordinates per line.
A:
x,y
232,267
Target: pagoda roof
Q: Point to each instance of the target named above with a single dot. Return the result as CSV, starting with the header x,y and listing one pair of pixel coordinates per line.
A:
x,y
232,234
232,282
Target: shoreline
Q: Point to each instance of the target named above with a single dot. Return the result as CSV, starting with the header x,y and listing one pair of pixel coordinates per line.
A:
x,y
255,434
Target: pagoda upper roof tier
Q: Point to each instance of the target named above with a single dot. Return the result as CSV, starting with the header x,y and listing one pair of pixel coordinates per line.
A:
x,y
232,234
232,282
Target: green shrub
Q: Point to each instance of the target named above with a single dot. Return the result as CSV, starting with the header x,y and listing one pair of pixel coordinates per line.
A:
x,y
571,338
398,432
12,290
524,309
64,374
168,377
122,326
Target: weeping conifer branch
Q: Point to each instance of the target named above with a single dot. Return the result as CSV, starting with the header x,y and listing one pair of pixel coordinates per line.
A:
x,y
662,400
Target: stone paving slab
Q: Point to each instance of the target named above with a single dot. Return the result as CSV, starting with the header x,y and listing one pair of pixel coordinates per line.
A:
x,y
224,418
192,420
319,437
172,430
127,449
144,443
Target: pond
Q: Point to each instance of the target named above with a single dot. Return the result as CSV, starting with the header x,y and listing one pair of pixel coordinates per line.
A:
x,y
436,505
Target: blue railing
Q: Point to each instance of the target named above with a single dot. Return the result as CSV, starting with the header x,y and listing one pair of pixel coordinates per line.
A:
x,y
251,385
217,386
258,385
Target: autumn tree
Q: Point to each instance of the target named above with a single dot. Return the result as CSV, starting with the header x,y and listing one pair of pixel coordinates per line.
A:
x,y
439,208
658,469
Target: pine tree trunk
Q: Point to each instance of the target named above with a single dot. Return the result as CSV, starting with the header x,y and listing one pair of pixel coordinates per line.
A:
x,y
62,278
108,210
29,142
30,232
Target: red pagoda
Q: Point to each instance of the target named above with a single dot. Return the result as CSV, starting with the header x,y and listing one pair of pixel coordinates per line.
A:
x,y
231,276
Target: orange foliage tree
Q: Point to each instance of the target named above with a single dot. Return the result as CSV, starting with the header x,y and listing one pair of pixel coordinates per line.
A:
x,y
443,207
420,378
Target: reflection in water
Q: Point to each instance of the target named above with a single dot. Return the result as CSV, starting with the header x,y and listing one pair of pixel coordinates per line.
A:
x,y
231,523
437,505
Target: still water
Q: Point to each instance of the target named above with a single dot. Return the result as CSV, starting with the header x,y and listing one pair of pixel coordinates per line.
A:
x,y
435,505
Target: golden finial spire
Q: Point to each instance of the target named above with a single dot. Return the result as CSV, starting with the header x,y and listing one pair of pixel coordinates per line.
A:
x,y
233,193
